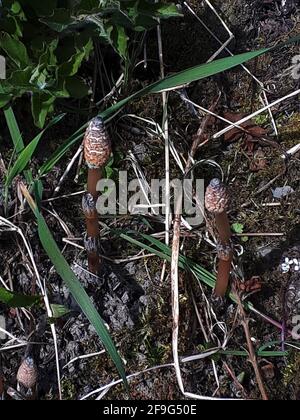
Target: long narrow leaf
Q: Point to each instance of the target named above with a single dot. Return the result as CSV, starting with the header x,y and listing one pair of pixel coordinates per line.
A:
x,y
259,353
184,77
26,154
164,252
78,292
13,127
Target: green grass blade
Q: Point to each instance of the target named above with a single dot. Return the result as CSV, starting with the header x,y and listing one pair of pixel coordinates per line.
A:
x,y
14,130
259,353
187,76
27,153
75,287
17,300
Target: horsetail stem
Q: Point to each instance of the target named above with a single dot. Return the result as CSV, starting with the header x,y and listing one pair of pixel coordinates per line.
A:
x,y
97,150
216,202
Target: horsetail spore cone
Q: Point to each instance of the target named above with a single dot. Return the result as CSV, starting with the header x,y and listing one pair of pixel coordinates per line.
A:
x,y
97,150
217,201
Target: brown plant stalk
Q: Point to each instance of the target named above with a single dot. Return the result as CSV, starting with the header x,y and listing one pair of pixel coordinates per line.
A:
x,y
97,150
216,202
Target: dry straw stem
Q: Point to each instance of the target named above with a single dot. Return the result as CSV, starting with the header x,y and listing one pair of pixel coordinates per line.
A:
x,y
97,150
216,202
33,206
1,381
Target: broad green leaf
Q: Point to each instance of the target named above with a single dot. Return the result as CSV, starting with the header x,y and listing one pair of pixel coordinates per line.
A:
x,y
119,40
41,106
20,79
16,7
39,77
159,9
9,25
58,311
70,68
4,99
75,287
76,87
88,6
59,20
15,50
26,154
17,300
121,18
168,10
143,23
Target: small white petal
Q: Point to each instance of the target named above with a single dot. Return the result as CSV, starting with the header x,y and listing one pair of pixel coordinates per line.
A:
x,y
285,266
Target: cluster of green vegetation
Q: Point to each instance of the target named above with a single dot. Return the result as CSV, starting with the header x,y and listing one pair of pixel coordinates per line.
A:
x,y
46,42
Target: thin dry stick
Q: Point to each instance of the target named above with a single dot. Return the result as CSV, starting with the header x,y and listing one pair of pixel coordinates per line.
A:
x,y
225,46
198,138
129,377
252,354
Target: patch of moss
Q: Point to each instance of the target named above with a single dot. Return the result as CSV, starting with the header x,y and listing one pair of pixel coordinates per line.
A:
x,y
68,389
291,374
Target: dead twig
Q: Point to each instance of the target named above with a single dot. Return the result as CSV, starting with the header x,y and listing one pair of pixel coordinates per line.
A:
x,y
252,354
198,138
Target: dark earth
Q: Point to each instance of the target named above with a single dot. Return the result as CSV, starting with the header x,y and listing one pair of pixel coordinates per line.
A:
x,y
132,299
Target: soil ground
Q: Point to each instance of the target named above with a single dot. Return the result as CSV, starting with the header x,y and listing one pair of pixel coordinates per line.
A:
x,y
131,297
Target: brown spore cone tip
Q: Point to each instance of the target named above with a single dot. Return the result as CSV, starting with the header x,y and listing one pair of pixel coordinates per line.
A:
x,y
217,197
97,144
27,373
